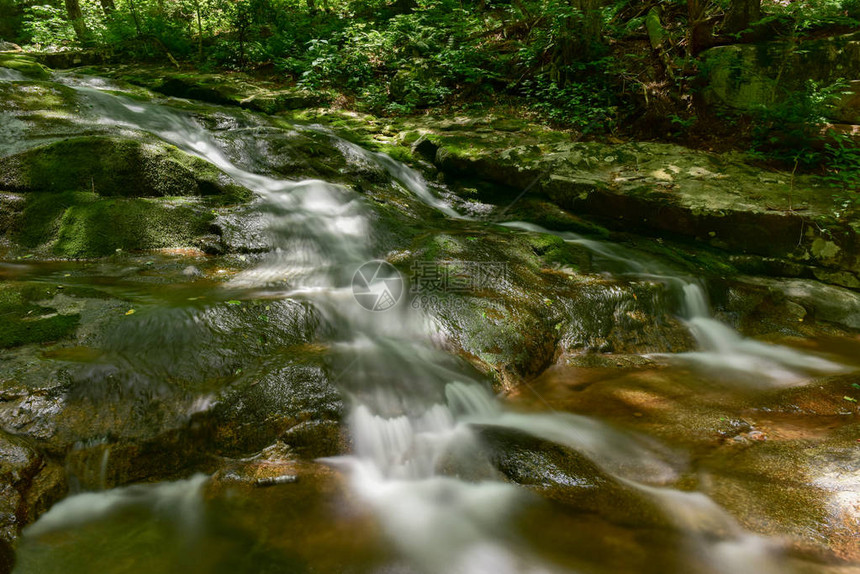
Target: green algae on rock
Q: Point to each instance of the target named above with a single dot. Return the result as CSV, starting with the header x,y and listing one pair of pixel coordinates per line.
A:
x,y
89,196
25,321
112,166
24,64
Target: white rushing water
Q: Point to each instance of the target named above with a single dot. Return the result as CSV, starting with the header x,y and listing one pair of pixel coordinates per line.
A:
x,y
8,75
721,348
418,460
180,501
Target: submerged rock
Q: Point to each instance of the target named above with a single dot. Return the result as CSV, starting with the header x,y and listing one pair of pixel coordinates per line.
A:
x,y
26,321
148,392
29,485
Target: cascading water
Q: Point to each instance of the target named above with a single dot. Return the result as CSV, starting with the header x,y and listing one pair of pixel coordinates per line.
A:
x,y
721,347
418,460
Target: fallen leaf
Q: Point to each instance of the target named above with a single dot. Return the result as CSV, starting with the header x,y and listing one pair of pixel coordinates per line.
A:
x,y
130,312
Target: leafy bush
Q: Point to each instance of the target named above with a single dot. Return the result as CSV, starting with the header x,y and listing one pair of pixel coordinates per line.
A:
x,y
46,25
790,129
842,157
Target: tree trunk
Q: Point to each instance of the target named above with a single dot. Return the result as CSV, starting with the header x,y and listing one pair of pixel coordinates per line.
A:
x,y
578,40
199,31
108,6
593,22
76,17
404,6
742,13
133,9
699,34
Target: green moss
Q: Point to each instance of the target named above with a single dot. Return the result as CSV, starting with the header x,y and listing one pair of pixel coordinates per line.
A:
x,y
24,64
107,166
23,322
21,331
399,153
36,97
700,260
101,227
80,224
40,219
554,250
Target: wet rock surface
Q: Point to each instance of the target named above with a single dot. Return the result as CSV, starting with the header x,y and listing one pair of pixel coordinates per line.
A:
x,y
781,461
151,365
31,484
665,189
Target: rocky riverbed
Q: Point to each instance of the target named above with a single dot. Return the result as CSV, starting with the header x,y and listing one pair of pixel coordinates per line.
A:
x,y
133,350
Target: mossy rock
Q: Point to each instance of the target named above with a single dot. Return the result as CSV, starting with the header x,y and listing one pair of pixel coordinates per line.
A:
x,y
555,251
80,224
24,64
747,76
26,322
102,227
36,96
281,100
112,166
200,87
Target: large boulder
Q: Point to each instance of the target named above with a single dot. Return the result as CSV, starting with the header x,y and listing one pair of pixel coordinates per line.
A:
x,y
112,166
747,76
672,191
89,196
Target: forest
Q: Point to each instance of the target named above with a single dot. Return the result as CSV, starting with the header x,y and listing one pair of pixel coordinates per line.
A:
x,y
430,286
597,66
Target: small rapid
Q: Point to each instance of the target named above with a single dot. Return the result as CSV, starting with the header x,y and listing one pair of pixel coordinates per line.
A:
x,y
721,348
416,420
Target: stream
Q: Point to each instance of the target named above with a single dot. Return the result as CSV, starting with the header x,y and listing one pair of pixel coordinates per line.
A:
x,y
419,490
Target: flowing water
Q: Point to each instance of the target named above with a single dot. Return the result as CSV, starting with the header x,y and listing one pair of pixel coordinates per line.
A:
x,y
418,421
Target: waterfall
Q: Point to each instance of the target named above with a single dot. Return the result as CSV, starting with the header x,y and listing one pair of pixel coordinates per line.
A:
x,y
721,348
418,461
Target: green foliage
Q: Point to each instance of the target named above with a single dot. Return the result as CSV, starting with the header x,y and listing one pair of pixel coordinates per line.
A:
x,y
788,129
559,59
46,24
11,21
843,163
792,131
809,14
588,104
